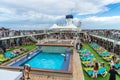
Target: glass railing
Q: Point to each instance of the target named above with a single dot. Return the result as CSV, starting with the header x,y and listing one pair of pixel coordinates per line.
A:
x,y
12,35
110,36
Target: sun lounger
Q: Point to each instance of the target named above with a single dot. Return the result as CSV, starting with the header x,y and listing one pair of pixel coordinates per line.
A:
x,y
3,59
87,58
117,65
88,63
102,71
9,54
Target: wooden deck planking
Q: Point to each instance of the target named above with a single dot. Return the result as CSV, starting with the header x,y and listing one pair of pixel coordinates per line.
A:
x,y
77,67
41,77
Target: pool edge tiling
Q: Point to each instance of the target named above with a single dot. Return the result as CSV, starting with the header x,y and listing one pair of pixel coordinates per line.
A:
x,y
20,61
24,58
66,62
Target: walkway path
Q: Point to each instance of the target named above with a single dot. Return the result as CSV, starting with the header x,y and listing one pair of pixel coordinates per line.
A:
x,y
77,67
41,77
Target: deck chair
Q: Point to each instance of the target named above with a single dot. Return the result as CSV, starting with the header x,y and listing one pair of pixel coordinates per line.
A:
x,y
102,71
117,65
89,71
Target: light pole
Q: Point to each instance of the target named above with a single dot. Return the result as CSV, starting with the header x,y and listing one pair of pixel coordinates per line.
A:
x,y
114,44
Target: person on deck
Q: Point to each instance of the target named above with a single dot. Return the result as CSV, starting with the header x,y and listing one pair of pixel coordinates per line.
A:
x,y
112,61
95,71
112,73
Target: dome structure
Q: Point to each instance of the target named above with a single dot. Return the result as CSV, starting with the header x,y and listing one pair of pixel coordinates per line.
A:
x,y
69,16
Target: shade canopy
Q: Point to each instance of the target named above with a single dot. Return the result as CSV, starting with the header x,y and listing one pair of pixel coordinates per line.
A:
x,y
10,75
70,27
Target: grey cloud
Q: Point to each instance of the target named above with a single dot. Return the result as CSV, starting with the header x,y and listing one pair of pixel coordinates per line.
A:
x,y
48,11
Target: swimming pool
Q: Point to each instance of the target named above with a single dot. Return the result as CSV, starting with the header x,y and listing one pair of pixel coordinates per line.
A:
x,y
46,61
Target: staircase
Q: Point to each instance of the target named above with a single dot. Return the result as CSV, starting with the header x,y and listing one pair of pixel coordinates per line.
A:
x,y
33,38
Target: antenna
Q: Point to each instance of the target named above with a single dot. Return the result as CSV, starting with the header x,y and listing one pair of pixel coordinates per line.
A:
x,y
71,11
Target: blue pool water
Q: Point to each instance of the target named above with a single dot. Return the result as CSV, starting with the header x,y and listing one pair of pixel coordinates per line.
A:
x,y
43,60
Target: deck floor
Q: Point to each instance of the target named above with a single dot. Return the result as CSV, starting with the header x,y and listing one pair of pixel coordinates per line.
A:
x,y
41,77
77,67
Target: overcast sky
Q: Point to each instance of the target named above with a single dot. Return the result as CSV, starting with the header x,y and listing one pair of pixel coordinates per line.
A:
x,y
41,14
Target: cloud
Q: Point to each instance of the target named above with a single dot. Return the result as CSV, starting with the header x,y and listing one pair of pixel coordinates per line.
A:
x,y
27,26
4,10
30,16
48,11
104,19
111,22
59,7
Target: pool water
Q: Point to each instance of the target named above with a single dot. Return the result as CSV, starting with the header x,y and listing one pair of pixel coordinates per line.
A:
x,y
44,60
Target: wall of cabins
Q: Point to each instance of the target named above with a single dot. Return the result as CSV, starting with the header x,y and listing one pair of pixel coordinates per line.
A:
x,y
107,45
13,42
110,46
